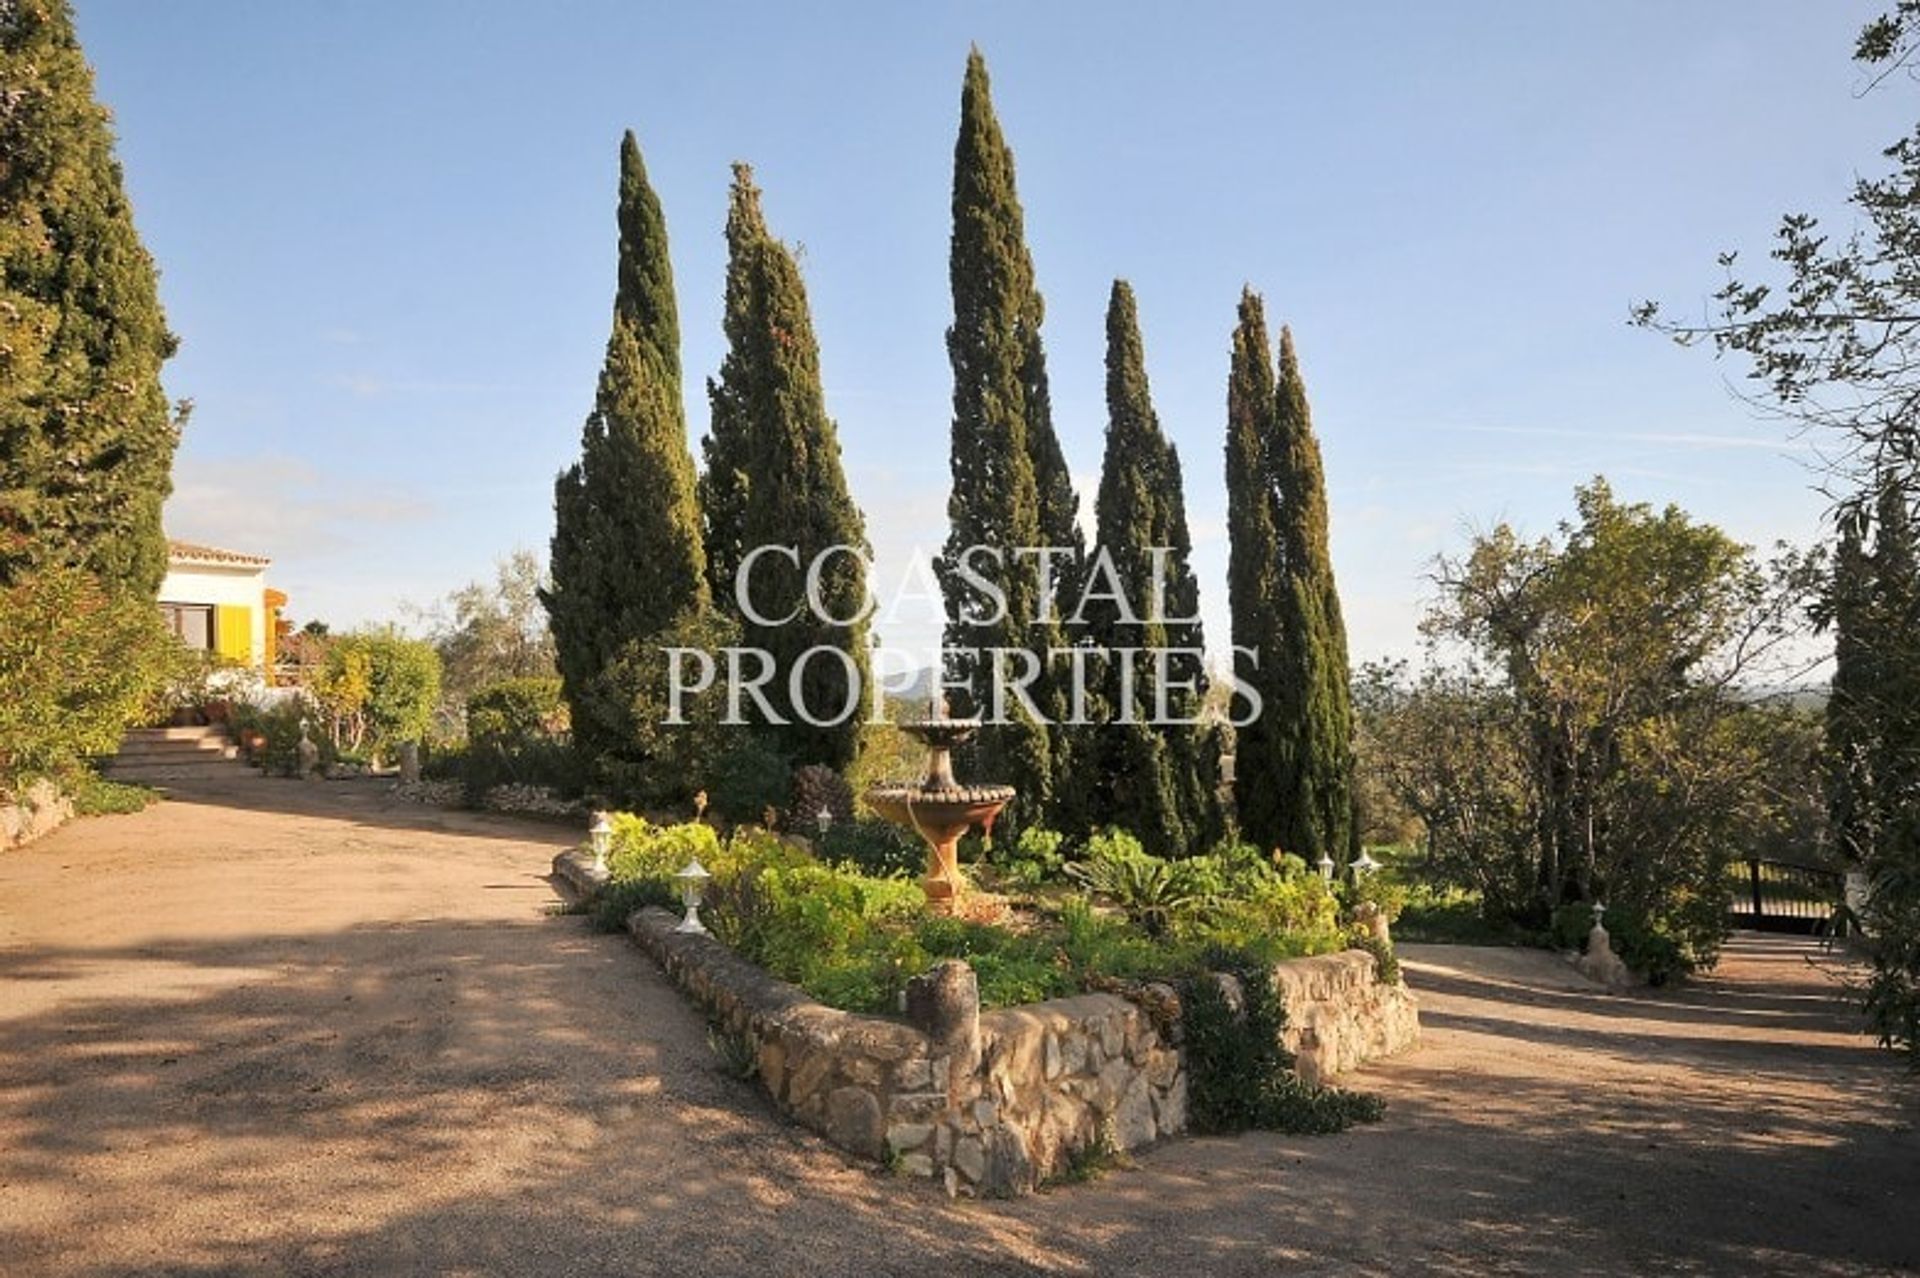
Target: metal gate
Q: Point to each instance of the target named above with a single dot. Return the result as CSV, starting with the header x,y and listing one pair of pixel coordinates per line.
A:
x,y
1776,896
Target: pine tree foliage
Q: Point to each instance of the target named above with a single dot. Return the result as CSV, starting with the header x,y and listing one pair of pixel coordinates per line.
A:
x,y
1293,766
627,561
1011,487
1150,779
86,434
774,478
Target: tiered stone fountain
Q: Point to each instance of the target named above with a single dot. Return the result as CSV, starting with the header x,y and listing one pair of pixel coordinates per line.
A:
x,y
939,808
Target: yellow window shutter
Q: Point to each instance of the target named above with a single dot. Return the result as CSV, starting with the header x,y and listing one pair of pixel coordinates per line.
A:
x,y
233,633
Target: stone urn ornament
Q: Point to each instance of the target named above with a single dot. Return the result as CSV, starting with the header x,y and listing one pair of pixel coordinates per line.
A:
x,y
1600,963
309,755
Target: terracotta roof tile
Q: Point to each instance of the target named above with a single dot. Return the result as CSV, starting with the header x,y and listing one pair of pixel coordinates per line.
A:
x,y
189,552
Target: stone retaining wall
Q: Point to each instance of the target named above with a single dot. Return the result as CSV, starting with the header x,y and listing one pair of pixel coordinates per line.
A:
x,y
995,1102
992,1103
1340,1016
41,810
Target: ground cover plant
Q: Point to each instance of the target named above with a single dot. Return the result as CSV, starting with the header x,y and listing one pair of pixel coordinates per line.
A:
x,y
846,921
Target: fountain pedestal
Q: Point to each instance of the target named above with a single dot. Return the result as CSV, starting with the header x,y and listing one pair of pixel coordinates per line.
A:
x,y
939,808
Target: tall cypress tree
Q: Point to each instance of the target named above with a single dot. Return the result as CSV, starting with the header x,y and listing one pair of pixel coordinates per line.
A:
x,y
627,559
1315,711
1148,777
1254,573
1293,766
86,434
774,478
1010,484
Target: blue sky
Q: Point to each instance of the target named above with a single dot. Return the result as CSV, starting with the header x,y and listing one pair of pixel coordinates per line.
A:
x,y
386,238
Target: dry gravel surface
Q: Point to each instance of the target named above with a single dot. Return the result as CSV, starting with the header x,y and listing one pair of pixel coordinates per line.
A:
x,y
281,1028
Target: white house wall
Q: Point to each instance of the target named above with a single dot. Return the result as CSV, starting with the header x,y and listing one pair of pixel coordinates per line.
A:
x,y
240,586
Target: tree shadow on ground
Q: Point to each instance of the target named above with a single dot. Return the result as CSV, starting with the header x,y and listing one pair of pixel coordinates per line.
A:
x,y
368,801
435,1096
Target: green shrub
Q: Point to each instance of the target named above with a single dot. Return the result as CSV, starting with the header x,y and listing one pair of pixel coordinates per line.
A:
x,y
617,901
516,714
748,780
873,846
544,763
76,665
280,726
1570,924
638,849
642,859
1380,889
376,689
445,760
1648,947
93,795
620,721
1457,916
1012,967
1097,946
1239,1074
1034,858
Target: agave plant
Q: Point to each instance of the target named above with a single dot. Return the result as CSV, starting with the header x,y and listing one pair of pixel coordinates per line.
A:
x,y
1149,891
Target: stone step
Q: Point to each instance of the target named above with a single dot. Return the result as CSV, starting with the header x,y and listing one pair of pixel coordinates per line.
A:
x,y
170,769
190,732
210,747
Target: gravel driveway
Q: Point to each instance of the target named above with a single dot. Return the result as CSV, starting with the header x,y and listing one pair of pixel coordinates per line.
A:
x,y
269,1027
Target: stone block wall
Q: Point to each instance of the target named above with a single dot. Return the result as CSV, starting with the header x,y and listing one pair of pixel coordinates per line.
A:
x,y
995,1102
41,810
1339,1016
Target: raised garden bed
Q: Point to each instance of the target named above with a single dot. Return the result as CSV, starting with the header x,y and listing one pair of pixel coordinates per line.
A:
x,y
1002,1100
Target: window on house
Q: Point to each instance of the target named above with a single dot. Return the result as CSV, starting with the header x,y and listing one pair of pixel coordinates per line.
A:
x,y
193,623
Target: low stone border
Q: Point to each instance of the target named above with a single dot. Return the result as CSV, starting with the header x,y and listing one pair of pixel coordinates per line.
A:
x,y
40,811
996,1102
575,868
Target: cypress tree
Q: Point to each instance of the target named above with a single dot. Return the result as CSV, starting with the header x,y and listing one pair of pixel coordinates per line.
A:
x,y
1149,777
774,478
86,434
627,561
1010,484
1254,570
1293,766
1315,725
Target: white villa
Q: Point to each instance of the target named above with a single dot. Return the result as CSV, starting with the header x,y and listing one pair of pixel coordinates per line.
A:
x,y
219,601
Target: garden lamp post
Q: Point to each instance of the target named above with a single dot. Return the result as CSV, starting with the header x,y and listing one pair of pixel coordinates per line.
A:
x,y
1363,865
601,834
693,884
1326,868
824,819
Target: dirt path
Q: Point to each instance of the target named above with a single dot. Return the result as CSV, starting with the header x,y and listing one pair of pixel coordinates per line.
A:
x,y
297,1030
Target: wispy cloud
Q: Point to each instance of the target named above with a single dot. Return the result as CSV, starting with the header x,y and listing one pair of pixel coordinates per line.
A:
x,y
1660,438
373,386
282,506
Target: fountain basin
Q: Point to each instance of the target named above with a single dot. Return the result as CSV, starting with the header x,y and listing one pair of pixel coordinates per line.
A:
x,y
939,809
